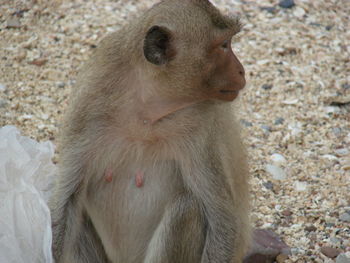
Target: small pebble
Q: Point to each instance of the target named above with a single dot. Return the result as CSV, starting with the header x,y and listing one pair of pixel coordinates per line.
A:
x,y
345,86
276,172
266,128
286,3
310,228
60,85
287,212
13,22
2,87
269,9
278,159
342,152
330,225
337,131
335,240
345,217
266,86
300,186
279,120
330,252
299,12
268,185
246,123
3,103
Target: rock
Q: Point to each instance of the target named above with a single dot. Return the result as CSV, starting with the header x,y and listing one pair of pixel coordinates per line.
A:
x,y
60,84
342,152
337,131
310,228
345,217
299,12
300,186
266,128
266,86
3,103
246,123
336,241
269,9
287,212
266,246
276,172
286,3
2,87
345,86
343,258
279,120
330,252
38,62
290,101
268,185
278,159
13,22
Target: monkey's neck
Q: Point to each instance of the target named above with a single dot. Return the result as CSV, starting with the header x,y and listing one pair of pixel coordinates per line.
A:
x,y
156,109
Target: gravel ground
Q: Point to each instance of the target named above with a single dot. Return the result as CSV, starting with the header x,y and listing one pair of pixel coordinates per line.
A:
x,y
295,109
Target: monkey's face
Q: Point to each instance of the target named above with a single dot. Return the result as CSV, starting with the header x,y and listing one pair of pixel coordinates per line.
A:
x,y
195,57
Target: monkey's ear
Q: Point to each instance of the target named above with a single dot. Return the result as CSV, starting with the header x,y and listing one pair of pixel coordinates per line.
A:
x,y
157,45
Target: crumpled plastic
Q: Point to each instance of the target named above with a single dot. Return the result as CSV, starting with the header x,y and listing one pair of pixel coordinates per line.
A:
x,y
26,179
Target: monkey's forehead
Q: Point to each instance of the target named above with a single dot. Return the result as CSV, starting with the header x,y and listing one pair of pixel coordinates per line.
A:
x,y
193,15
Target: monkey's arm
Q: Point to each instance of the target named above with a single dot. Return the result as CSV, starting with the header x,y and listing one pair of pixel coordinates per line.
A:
x,y
74,237
208,182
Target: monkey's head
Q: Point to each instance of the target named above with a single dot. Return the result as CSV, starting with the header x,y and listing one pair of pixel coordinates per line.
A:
x,y
187,45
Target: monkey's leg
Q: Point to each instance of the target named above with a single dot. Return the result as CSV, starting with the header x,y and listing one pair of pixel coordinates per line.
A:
x,y
180,236
74,237
81,242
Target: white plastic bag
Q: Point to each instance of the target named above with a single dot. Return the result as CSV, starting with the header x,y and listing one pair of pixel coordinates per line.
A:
x,y
26,176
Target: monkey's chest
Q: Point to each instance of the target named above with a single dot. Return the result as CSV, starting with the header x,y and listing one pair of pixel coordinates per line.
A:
x,y
129,204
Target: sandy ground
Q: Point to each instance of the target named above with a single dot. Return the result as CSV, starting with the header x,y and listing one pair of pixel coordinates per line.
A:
x,y
296,103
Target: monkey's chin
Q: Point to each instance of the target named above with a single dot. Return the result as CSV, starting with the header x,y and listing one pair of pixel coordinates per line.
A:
x,y
227,95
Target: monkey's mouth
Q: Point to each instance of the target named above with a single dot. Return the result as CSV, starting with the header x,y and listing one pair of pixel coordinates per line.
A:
x,y
226,91
227,94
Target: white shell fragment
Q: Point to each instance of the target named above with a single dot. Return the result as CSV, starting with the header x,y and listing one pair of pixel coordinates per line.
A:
x,y
276,172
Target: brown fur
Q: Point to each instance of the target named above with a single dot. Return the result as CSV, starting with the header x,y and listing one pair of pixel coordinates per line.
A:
x,y
128,114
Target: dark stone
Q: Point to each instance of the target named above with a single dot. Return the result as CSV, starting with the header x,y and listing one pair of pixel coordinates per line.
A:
x,y
345,86
266,128
246,123
266,86
286,3
266,246
269,9
268,185
330,252
329,27
310,228
279,120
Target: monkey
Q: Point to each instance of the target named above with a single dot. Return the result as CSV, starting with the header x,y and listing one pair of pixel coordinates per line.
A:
x,y
152,167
